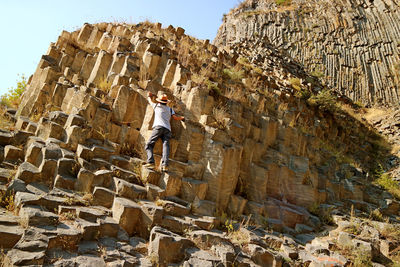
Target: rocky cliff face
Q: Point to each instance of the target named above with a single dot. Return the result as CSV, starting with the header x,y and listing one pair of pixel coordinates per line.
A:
x,y
352,45
251,149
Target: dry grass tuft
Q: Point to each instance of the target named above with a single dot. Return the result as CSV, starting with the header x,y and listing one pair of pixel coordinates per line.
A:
x,y
105,84
67,216
220,114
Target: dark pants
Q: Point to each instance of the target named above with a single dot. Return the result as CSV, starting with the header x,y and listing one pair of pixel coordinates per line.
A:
x,y
165,135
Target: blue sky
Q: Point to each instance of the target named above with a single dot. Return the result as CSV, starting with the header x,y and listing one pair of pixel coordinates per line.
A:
x,y
28,26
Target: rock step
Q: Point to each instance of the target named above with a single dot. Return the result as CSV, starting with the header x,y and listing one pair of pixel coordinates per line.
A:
x,y
129,190
30,249
6,175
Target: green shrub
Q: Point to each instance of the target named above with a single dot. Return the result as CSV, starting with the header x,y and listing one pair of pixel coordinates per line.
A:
x,y
317,74
233,74
283,2
13,97
389,184
296,83
323,100
213,87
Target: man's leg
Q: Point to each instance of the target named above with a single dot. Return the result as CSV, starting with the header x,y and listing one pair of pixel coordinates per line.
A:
x,y
165,153
155,134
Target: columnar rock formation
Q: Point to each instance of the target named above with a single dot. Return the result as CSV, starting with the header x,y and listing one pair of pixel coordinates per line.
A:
x,y
352,45
250,149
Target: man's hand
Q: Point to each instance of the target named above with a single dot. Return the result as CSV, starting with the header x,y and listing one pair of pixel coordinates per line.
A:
x,y
149,94
178,118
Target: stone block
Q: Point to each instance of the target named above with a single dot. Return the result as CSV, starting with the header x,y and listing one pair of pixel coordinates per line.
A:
x,y
168,246
6,138
108,227
13,154
103,62
101,120
151,61
18,257
16,185
87,66
32,127
129,190
171,183
58,117
33,154
105,41
121,161
66,238
151,215
74,119
150,176
101,152
27,172
291,217
204,207
52,151
222,172
78,61
121,103
84,152
260,255
65,181
48,129
90,214
68,167
103,197
169,73
176,224
175,209
35,216
191,189
22,123
75,135
179,32
125,175
84,181
207,238
90,230
102,178
85,33
48,170
236,205
154,192
127,213
59,92
11,234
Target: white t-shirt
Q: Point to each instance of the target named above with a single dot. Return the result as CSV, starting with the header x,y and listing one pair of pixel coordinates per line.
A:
x,y
162,115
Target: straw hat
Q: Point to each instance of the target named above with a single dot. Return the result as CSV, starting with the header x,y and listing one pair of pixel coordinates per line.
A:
x,y
163,99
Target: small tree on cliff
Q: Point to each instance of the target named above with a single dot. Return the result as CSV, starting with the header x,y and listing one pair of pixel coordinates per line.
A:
x,y
13,97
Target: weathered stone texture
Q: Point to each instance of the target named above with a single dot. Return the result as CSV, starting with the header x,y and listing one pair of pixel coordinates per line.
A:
x,y
351,45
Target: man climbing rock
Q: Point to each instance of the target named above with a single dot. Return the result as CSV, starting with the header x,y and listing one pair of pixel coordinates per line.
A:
x,y
161,129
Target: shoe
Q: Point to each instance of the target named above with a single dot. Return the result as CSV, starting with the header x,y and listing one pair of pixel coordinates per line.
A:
x,y
164,168
149,165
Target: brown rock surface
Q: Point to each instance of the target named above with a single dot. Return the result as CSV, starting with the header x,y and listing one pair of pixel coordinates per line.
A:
x,y
252,157
351,45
